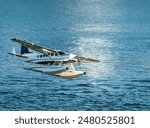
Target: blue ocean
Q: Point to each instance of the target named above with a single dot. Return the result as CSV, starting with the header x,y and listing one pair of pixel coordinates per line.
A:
x,y
116,32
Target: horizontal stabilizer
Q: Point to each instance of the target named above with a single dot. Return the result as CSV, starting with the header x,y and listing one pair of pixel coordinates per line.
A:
x,y
18,55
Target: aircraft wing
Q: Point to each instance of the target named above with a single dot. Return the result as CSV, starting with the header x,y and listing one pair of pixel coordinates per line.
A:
x,y
37,48
44,50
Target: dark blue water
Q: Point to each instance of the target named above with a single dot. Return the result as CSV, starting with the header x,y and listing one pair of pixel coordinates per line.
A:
x,y
116,32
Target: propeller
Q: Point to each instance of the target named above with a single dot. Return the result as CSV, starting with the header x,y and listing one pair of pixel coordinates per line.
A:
x,y
78,58
86,59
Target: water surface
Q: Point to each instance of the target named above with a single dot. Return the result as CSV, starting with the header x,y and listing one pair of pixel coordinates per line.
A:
x,y
116,32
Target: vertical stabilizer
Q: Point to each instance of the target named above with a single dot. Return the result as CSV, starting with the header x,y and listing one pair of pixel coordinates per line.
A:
x,y
24,50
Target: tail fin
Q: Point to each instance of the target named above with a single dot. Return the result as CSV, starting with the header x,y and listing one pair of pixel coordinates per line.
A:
x,y
24,50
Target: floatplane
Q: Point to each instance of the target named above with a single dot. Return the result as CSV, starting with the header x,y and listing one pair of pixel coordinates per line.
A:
x,y
52,62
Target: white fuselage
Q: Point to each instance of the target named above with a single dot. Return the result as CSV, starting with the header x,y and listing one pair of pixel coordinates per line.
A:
x,y
37,57
40,58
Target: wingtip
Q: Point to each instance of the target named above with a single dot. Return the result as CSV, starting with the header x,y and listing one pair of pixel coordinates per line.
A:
x,y
98,61
13,39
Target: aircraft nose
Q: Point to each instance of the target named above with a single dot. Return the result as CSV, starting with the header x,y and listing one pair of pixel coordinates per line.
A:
x,y
72,56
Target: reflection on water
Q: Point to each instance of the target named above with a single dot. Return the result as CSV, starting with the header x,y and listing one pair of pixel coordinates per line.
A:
x,y
99,28
99,49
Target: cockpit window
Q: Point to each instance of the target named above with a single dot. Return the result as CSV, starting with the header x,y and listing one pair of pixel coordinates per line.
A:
x,y
61,53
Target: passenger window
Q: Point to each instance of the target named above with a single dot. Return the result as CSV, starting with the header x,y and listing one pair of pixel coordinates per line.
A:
x,y
40,56
56,54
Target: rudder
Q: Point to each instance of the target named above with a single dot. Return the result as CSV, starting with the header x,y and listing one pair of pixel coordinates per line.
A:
x,y
24,50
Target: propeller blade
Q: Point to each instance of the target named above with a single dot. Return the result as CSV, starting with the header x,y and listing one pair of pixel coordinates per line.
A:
x,y
86,59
